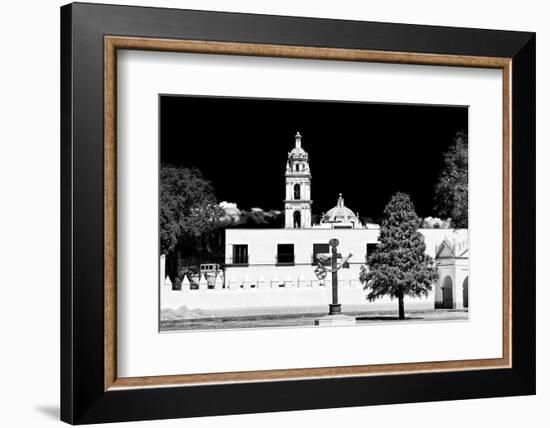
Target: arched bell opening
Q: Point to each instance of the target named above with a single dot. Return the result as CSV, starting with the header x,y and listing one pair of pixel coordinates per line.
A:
x,y
297,219
296,191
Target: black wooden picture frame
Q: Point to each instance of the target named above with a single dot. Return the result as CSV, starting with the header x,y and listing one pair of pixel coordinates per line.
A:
x,y
84,396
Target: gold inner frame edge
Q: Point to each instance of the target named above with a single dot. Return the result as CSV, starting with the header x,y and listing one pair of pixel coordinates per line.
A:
x,y
113,43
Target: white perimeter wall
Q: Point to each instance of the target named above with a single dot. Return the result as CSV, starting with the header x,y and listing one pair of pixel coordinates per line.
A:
x,y
262,250
258,284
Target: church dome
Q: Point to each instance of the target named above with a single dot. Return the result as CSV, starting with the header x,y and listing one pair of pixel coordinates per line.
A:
x,y
298,151
341,214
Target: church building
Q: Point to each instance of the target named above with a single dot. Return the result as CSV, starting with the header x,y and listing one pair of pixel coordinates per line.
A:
x,y
267,268
286,257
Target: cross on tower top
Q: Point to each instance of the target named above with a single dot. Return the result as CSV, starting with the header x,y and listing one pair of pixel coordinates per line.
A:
x,y
298,140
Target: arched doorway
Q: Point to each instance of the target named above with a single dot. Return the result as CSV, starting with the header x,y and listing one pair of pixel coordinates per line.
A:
x,y
447,290
296,191
465,292
297,219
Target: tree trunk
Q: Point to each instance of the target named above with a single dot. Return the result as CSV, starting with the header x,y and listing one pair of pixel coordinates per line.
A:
x,y
401,308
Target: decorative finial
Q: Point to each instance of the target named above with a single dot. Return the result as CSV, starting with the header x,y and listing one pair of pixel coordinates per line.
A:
x,y
340,200
298,139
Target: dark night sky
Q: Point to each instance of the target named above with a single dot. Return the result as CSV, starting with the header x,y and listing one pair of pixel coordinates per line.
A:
x,y
365,151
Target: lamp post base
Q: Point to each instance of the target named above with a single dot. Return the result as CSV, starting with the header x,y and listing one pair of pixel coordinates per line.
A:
x,y
332,320
335,309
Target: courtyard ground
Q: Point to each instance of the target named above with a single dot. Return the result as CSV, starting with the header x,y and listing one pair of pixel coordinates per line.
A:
x,y
308,319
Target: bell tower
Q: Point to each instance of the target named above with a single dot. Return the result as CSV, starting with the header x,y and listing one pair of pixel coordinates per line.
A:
x,y
298,188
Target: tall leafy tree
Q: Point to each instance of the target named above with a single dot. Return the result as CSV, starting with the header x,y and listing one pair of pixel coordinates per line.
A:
x,y
399,266
451,190
189,216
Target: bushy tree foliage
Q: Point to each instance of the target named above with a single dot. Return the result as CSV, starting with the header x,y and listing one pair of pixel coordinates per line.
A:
x,y
451,190
189,216
399,266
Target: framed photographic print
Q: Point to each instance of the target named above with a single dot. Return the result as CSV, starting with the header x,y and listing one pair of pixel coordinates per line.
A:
x,y
265,213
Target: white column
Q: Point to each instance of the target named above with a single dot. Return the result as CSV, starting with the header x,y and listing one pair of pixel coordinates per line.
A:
x,y
162,269
218,283
459,282
261,282
289,282
203,285
232,284
185,284
228,253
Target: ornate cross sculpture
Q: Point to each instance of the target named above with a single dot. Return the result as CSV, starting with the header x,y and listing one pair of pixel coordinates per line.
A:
x,y
321,272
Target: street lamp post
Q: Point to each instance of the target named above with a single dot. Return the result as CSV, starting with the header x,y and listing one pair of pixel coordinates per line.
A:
x,y
334,307
335,316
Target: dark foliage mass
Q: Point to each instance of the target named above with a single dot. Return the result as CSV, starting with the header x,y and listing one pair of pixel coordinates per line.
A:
x,y
190,218
451,190
399,266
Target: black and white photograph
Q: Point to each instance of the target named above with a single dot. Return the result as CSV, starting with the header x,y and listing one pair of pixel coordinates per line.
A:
x,y
275,214
311,213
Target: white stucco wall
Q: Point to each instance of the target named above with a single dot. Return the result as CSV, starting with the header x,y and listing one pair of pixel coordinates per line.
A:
x,y
262,250
262,284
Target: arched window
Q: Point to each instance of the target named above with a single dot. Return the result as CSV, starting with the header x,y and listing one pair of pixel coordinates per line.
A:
x,y
447,290
297,219
297,167
465,293
296,191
